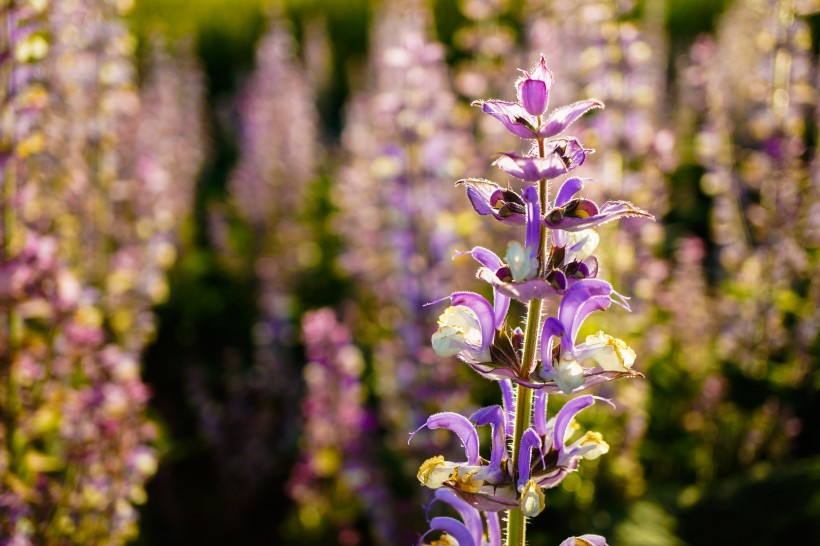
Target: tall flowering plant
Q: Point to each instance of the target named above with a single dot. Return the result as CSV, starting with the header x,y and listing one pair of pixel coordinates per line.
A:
x,y
530,452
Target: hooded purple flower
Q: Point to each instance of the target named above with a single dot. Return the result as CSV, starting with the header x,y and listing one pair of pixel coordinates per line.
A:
x,y
486,485
522,118
562,364
467,328
575,214
563,458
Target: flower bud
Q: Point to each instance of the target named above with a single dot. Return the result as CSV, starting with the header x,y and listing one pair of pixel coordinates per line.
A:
x,y
532,500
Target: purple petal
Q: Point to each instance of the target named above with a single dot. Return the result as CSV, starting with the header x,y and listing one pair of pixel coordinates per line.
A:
x,y
539,409
514,117
569,188
541,72
591,264
611,210
453,527
565,416
523,291
529,441
485,257
495,417
531,241
559,238
577,246
551,329
493,529
571,152
483,195
461,427
483,311
532,169
470,516
563,117
490,260
533,89
580,300
507,396
501,305
585,540
533,95
480,202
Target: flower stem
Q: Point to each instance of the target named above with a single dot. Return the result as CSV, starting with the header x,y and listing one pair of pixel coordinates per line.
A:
x,y
516,522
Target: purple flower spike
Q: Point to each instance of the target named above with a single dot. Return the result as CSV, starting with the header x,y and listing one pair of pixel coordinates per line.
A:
x,y
585,540
534,87
461,427
563,117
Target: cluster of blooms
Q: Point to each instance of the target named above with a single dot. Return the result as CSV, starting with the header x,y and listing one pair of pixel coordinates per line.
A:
x,y
529,451
88,219
75,440
752,93
333,467
405,137
250,417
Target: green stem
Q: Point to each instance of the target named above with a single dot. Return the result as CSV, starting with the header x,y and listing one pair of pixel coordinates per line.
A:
x,y
516,522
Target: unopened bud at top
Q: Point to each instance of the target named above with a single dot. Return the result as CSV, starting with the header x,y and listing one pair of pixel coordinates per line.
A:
x,y
534,88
